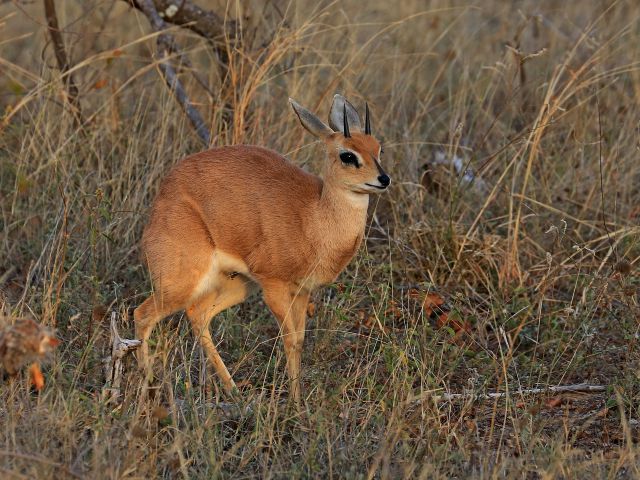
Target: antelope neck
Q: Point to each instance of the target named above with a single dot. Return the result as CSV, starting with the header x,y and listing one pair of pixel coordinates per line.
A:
x,y
344,211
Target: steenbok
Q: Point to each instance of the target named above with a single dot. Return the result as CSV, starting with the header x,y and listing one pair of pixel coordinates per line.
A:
x,y
232,220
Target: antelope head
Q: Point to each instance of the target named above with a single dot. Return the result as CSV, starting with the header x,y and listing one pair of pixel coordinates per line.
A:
x,y
353,152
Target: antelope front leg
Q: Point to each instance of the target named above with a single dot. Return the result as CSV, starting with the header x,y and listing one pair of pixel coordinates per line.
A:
x,y
289,305
294,341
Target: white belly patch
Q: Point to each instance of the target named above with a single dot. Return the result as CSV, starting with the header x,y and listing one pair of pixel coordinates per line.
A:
x,y
223,266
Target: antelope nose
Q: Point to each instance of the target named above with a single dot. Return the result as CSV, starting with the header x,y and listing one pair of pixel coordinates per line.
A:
x,y
384,180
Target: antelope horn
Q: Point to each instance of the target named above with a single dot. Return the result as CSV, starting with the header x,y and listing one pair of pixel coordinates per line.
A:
x,y
346,122
367,122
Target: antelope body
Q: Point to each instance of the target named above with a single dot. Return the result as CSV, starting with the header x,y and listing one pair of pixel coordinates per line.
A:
x,y
232,220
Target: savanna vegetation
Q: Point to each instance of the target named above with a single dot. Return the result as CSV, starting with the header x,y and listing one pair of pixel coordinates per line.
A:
x,y
504,257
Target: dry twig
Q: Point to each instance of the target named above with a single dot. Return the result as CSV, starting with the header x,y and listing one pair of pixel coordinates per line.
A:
x,y
166,45
203,22
62,59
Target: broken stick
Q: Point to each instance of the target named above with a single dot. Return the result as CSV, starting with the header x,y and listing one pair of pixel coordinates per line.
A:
x,y
447,397
113,363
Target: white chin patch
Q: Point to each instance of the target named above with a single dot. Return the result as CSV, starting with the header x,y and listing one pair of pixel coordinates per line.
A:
x,y
372,188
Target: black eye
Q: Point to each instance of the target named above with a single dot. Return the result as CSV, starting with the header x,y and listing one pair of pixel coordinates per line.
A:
x,y
381,150
348,158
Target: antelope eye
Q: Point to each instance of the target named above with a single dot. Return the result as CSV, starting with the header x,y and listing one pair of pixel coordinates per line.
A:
x,y
348,158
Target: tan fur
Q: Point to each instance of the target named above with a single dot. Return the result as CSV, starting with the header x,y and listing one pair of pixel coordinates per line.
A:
x,y
231,220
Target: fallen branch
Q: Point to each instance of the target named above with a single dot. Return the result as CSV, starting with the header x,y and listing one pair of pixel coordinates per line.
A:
x,y
166,45
113,363
62,59
203,22
447,397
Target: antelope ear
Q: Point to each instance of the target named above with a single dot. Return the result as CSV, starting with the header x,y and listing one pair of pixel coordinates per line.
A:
x,y
336,116
310,121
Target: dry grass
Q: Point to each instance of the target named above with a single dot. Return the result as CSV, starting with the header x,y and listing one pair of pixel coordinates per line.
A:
x,y
541,265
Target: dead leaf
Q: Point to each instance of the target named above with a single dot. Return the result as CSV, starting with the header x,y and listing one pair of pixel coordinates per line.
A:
x,y
160,413
175,463
35,374
98,313
311,309
139,431
100,84
554,402
432,302
454,321
244,383
345,346
623,267
471,426
23,185
443,320
535,409
414,293
611,454
393,310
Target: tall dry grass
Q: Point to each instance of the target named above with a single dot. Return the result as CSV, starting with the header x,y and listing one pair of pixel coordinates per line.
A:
x,y
538,263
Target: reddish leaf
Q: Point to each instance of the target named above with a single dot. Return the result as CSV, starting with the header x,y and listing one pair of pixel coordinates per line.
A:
x,y
393,310
35,374
432,301
99,313
244,383
139,431
311,309
454,321
414,293
100,84
160,412
554,402
443,320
